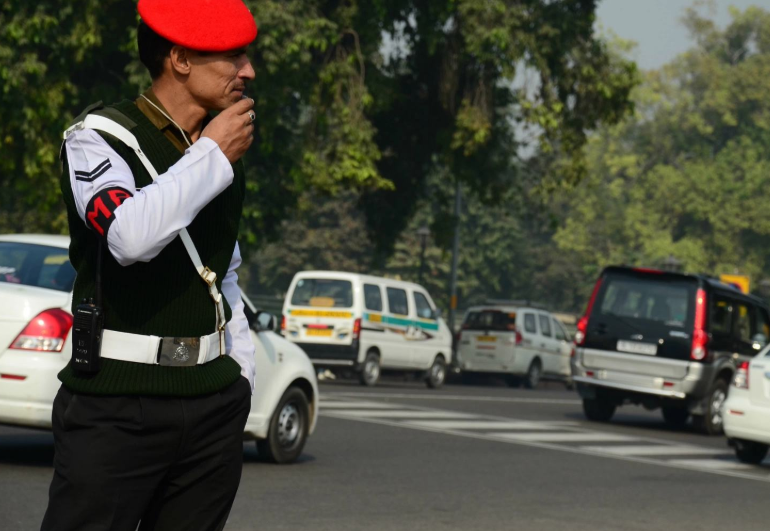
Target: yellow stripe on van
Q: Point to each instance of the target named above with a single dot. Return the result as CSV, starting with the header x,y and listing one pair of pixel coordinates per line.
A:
x,y
320,313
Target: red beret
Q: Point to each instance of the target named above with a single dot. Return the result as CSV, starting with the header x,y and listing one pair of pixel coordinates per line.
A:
x,y
203,25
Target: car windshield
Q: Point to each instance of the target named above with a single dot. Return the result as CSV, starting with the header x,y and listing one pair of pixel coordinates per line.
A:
x,y
323,293
36,265
490,320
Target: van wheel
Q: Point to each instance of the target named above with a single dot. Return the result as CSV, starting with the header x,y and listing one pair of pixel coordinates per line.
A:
x,y
436,373
676,417
710,423
288,428
750,452
598,410
371,370
532,377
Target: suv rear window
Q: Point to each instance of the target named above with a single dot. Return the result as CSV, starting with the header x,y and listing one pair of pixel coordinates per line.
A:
x,y
323,293
645,299
490,320
36,265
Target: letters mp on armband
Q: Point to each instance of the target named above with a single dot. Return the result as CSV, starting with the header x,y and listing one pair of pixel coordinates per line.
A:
x,y
100,212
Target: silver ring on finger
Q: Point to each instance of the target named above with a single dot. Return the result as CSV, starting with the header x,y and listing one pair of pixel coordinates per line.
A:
x,y
252,115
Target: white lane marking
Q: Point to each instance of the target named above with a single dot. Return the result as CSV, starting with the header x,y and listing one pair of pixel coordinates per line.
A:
x,y
486,424
463,398
566,437
651,450
403,414
754,474
354,405
710,464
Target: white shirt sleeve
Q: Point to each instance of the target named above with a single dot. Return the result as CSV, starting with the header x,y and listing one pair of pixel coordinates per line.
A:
x,y
145,223
238,342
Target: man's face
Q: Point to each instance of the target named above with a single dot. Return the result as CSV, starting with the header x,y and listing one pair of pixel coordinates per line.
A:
x,y
218,80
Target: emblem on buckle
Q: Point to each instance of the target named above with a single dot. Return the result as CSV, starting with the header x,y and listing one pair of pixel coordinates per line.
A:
x,y
181,354
179,351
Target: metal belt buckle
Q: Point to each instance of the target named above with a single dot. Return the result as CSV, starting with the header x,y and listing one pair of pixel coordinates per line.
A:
x,y
179,351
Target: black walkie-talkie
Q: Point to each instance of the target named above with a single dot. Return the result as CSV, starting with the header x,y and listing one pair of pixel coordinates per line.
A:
x,y
87,327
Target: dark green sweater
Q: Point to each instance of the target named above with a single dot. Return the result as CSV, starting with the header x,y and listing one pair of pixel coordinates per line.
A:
x,y
162,297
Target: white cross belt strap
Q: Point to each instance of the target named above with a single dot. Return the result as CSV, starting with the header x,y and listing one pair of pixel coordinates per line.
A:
x,y
111,127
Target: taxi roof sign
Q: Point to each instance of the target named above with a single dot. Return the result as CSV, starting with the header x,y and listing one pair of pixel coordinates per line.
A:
x,y
742,282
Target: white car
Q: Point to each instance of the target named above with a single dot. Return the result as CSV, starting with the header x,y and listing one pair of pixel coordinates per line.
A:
x,y
746,412
36,281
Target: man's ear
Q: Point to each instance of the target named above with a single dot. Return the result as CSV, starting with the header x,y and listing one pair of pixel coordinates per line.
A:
x,y
180,60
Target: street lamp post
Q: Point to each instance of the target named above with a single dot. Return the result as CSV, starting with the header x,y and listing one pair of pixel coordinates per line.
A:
x,y
423,232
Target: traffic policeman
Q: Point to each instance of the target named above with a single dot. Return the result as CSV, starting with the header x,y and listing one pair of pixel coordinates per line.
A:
x,y
149,432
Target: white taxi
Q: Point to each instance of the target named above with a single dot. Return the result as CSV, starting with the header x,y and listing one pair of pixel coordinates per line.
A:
x,y
36,281
746,412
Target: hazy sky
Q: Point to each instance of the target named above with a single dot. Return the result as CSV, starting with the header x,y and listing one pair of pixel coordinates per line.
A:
x,y
656,27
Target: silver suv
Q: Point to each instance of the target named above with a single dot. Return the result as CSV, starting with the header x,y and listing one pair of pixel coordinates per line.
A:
x,y
666,340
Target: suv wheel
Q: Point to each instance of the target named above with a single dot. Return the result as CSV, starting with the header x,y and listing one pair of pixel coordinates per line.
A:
x,y
533,375
288,428
598,410
750,452
676,417
710,423
371,370
436,373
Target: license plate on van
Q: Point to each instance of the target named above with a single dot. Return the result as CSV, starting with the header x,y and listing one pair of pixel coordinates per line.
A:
x,y
633,347
316,332
486,339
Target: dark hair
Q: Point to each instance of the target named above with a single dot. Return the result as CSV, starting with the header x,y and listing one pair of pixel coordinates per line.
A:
x,y
153,49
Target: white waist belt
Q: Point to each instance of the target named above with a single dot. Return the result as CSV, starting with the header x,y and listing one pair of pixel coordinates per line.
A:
x,y
177,351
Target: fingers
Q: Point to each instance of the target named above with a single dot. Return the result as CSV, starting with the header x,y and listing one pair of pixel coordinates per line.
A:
x,y
243,106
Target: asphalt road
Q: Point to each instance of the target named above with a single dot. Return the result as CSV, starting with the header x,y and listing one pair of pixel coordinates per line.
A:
x,y
402,457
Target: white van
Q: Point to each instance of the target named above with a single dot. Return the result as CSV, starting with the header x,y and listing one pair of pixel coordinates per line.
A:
x,y
524,342
366,323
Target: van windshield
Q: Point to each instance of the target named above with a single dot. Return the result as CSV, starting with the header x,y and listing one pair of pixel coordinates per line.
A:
x,y
645,300
490,320
323,293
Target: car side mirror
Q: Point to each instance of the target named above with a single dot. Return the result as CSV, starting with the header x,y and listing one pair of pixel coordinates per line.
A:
x,y
266,321
437,314
759,341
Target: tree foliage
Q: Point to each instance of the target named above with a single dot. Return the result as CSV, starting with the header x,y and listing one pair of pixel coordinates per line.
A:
x,y
689,174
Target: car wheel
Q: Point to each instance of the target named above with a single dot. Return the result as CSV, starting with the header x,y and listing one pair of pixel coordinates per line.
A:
x,y
532,377
436,373
598,410
750,452
371,370
710,422
676,417
288,428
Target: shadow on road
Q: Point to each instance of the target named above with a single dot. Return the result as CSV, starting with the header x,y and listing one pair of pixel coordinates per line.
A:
x,y
27,449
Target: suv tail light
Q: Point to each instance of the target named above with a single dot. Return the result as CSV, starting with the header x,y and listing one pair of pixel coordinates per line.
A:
x,y
741,380
700,337
357,329
582,324
46,332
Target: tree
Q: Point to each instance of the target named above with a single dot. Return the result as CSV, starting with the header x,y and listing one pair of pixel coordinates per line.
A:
x,y
689,174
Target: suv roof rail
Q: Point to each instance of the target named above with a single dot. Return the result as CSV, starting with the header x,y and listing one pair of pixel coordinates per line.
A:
x,y
516,302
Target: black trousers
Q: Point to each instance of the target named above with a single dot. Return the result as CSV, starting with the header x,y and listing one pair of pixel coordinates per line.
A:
x,y
169,463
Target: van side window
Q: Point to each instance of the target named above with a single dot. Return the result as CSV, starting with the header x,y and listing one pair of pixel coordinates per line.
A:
x,y
529,323
397,302
545,325
558,331
422,306
372,297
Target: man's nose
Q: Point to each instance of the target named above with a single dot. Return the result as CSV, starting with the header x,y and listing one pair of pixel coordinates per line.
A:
x,y
247,72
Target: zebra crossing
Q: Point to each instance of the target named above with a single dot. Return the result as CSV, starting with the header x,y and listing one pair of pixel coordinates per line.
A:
x,y
557,435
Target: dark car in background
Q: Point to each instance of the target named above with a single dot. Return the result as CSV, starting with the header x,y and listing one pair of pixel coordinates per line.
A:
x,y
665,340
